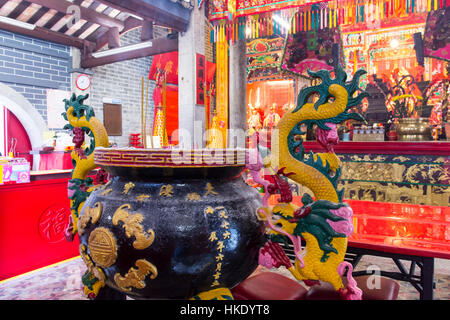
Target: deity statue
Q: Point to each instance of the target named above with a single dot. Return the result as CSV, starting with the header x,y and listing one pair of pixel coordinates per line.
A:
x,y
159,98
214,133
272,119
254,122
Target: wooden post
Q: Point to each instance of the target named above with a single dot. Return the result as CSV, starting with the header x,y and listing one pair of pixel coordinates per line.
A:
x,y
147,30
113,38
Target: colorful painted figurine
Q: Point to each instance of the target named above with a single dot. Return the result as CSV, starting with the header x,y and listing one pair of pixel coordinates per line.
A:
x,y
82,121
325,221
254,121
272,118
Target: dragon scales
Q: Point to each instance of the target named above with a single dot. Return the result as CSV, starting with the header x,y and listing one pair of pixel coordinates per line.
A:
x,y
324,223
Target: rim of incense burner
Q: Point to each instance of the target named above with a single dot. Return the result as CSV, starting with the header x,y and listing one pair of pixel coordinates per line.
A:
x,y
169,158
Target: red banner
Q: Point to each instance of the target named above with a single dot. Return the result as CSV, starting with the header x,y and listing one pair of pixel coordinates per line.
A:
x,y
172,113
167,62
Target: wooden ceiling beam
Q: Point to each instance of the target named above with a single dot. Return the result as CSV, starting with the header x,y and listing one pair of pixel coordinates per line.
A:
x,y
147,30
3,2
129,24
113,38
53,19
18,10
85,13
161,45
49,35
174,16
37,15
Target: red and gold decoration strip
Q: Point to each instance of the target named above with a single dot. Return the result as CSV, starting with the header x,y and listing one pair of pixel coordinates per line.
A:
x,y
219,121
250,22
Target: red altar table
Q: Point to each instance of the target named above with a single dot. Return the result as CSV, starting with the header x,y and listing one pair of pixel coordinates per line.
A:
x,y
401,228
401,232
441,148
54,160
33,217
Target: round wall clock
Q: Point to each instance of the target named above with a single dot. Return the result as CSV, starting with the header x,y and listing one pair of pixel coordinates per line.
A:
x,y
83,82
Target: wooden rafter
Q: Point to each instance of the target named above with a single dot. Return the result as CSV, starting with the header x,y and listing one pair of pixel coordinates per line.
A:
x,y
130,24
150,11
8,7
46,34
37,15
102,22
50,19
24,11
91,29
86,14
2,3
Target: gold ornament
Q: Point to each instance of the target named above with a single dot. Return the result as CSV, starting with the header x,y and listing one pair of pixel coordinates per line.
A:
x,y
135,277
213,236
193,196
219,257
97,272
127,187
102,247
142,197
223,214
210,190
133,227
107,191
209,210
214,294
90,214
166,190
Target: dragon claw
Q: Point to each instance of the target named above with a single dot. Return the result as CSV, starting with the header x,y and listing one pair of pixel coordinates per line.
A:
x,y
273,251
69,234
286,174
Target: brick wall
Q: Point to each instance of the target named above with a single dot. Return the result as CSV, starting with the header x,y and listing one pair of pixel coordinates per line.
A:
x,y
122,81
31,66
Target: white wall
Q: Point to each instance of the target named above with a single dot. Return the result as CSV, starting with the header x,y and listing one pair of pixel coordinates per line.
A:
x,y
30,118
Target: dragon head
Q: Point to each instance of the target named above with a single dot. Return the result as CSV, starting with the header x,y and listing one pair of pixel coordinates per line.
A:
x,y
323,219
325,92
335,98
79,108
75,111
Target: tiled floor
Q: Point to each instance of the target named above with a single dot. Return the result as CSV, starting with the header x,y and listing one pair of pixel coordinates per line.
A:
x,y
407,291
63,281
